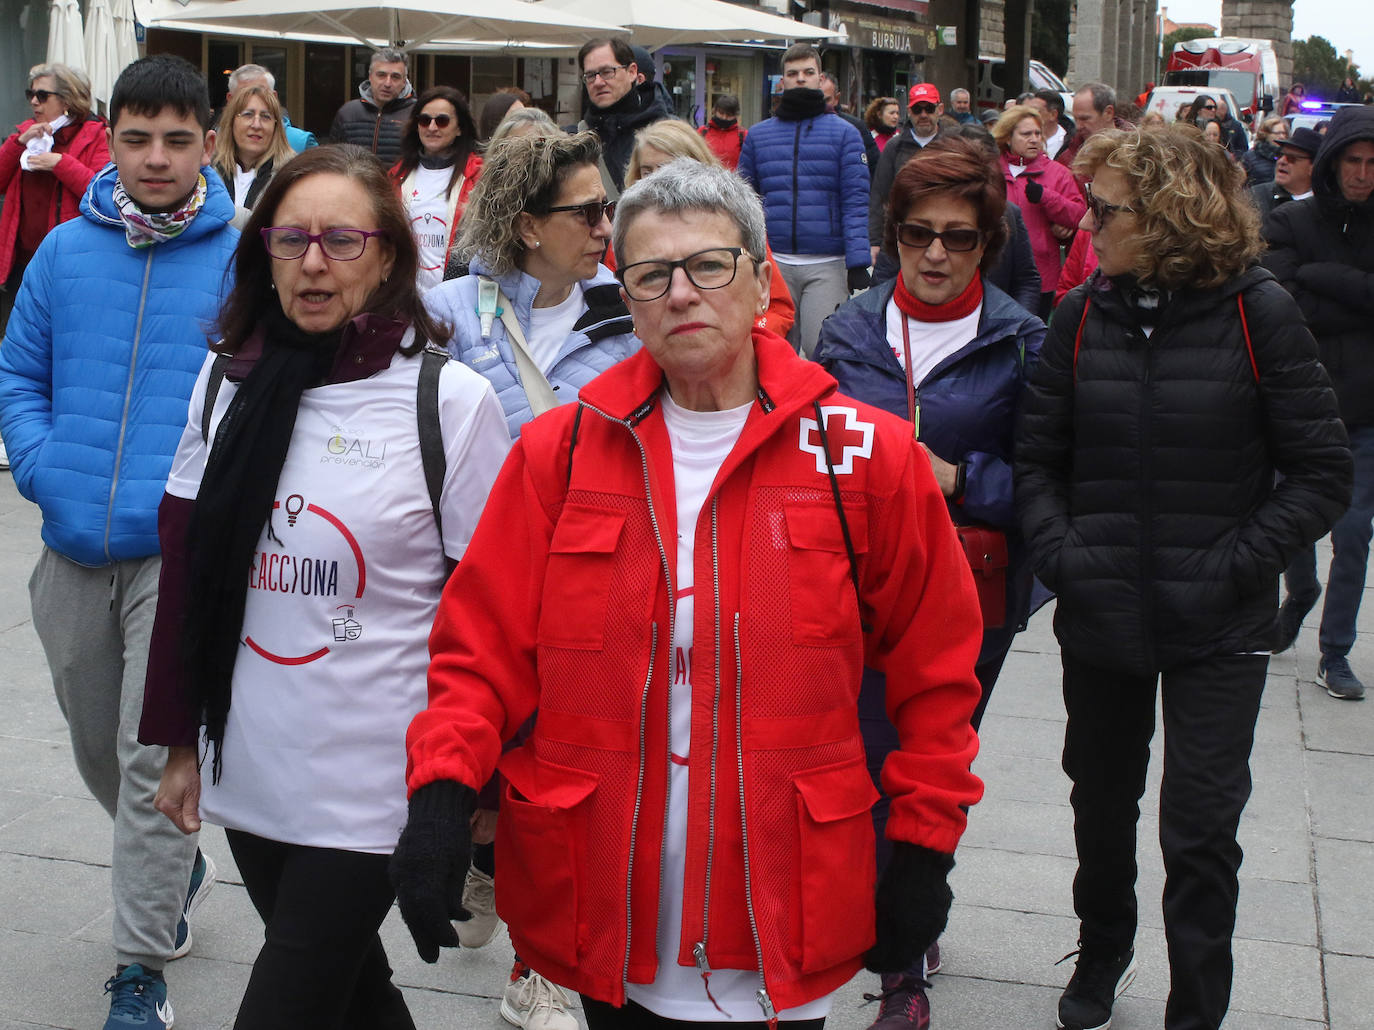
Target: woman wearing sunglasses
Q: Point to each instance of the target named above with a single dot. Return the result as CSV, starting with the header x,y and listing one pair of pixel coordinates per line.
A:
x,y
538,314
436,175
944,348
303,552
1180,446
45,167
250,145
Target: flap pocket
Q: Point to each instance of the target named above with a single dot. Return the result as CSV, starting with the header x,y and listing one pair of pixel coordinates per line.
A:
x,y
837,792
540,783
815,526
582,529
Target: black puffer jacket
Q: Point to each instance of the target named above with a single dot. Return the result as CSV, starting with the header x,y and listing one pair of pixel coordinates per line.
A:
x,y
1322,250
616,126
900,149
1145,470
378,129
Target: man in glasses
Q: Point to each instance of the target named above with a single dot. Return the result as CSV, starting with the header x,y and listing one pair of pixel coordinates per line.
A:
x,y
810,168
377,119
618,105
1292,173
97,366
923,125
1322,250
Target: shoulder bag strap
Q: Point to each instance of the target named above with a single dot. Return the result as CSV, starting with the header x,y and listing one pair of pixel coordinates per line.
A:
x,y
221,363
537,389
432,457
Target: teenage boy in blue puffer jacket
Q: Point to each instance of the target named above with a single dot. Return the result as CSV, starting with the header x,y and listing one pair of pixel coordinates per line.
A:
x,y
100,355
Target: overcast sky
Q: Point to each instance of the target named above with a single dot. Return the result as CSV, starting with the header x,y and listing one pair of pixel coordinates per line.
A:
x,y
1346,23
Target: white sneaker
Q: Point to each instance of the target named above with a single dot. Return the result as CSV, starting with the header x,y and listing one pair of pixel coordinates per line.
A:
x,y
479,898
4,457
533,1003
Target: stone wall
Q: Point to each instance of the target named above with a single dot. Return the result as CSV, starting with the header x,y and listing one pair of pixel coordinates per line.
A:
x,y
992,33
1263,19
1113,41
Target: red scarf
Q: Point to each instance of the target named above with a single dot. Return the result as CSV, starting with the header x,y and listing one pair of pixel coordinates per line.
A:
x,y
959,307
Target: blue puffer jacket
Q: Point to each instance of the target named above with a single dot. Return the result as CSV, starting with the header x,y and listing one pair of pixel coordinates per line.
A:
x,y
97,367
601,337
814,181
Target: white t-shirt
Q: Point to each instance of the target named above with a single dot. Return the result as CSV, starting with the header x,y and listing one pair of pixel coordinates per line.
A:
x,y
700,441
806,259
334,644
1056,142
243,182
549,328
931,342
426,204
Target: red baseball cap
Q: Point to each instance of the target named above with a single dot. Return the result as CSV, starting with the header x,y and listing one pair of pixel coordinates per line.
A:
x,y
923,92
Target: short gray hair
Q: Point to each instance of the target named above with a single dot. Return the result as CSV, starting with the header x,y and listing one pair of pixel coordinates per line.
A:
x,y
1103,95
686,186
251,73
524,121
388,55
956,91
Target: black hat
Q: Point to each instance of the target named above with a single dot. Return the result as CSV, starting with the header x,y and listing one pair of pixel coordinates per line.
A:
x,y
645,61
1304,139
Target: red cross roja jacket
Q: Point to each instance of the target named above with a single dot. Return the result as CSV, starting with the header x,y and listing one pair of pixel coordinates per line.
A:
x,y
563,603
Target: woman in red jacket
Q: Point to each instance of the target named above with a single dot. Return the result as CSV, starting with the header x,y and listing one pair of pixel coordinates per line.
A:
x,y
438,168
1045,192
45,167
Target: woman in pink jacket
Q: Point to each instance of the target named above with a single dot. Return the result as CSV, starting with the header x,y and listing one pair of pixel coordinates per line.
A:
x,y
45,167
1045,191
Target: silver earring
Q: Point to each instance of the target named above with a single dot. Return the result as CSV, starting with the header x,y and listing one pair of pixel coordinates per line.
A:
x,y
536,244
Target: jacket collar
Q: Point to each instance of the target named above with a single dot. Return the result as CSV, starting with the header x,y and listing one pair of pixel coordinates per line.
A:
x,y
98,205
1187,306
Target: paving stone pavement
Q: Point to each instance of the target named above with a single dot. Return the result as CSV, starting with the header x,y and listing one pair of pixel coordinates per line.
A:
x,y
1304,945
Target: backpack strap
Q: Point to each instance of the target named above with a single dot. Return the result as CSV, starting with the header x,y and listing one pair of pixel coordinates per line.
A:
x,y
1245,328
1078,336
432,457
217,370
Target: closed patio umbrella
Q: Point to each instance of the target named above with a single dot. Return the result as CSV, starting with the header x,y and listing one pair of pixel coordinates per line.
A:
x,y
65,42
101,58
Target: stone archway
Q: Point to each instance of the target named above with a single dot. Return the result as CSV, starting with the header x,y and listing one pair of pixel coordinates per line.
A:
x,y
1263,19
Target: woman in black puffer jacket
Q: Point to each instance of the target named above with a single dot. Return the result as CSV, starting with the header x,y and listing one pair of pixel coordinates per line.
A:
x,y
1172,387
1260,159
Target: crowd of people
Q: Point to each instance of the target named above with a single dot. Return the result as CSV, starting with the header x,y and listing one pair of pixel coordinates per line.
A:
x,y
619,529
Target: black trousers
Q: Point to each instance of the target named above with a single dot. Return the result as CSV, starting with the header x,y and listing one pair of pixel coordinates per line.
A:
x,y
322,965
605,1016
1210,708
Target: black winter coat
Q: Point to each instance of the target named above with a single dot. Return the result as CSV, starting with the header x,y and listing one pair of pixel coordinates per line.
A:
x,y
900,149
1322,250
376,129
1145,470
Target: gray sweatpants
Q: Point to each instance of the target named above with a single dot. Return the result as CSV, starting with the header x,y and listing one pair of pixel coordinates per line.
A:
x,y
95,625
817,290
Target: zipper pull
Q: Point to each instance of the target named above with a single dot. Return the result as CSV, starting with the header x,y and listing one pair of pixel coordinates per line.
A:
x,y
766,1003
704,966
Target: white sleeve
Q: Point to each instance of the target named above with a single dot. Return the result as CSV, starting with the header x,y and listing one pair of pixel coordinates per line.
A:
x,y
476,440
188,465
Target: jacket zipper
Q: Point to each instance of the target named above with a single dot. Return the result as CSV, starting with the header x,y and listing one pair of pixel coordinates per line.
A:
x,y
765,1002
377,131
644,697
128,396
699,949
796,150
1145,535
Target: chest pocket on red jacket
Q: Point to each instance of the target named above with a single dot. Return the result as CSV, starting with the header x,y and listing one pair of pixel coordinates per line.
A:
x,y
825,611
577,582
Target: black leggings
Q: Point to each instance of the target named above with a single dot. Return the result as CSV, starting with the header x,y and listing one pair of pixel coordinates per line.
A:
x,y
602,1015
322,966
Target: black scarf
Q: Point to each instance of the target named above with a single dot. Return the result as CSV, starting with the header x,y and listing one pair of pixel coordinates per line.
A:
x,y
800,103
234,502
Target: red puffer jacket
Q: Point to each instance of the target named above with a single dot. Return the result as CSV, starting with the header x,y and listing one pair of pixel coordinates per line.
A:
x,y
85,155
563,602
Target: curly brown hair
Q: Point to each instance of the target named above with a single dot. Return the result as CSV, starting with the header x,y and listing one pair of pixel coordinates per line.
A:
x,y
1196,227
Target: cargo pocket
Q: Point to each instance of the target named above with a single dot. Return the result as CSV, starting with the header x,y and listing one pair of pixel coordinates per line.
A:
x,y
838,867
577,582
825,610
541,837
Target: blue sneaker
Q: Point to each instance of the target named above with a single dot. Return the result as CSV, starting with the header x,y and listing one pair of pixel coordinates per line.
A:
x,y
202,881
138,999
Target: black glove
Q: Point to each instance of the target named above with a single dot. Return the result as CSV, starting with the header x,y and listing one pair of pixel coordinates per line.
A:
x,y
1034,191
859,279
430,864
912,907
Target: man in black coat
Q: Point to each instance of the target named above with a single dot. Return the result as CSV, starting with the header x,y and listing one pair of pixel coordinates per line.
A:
x,y
377,119
618,105
923,125
1292,172
1322,250
830,89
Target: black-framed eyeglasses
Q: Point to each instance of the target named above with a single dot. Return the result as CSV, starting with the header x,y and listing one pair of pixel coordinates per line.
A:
x,y
286,243
956,241
593,211
41,95
606,74
441,120
706,270
1100,209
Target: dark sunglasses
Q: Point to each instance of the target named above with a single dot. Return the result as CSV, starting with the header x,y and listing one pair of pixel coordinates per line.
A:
x,y
41,95
1100,209
1209,107
441,120
923,108
956,241
593,211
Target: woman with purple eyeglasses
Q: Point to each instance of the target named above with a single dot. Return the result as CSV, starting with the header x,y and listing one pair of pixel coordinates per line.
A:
x,y
329,475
